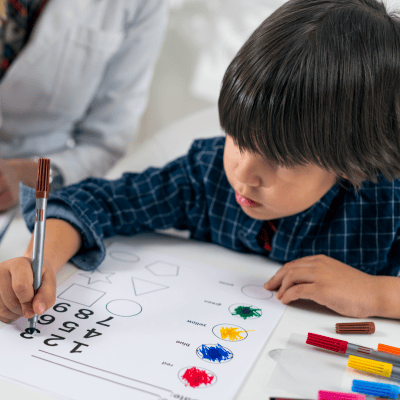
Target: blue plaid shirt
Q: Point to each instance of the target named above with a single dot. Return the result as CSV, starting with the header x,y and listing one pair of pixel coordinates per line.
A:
x,y
192,192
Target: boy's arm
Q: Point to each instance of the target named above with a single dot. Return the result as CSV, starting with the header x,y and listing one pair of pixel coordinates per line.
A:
x,y
17,298
388,296
62,241
158,198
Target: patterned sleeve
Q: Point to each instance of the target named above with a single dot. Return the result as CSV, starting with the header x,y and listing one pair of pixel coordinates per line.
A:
x,y
158,198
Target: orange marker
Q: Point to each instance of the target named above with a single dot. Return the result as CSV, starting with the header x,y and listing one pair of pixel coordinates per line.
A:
x,y
388,349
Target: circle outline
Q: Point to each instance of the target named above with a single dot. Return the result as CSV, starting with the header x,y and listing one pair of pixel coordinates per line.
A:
x,y
214,362
200,368
111,255
124,316
247,305
259,298
232,341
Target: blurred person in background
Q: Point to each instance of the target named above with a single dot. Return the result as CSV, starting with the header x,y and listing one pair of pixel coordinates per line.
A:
x,y
74,81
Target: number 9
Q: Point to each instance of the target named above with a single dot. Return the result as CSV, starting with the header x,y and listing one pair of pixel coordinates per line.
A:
x,y
60,307
48,319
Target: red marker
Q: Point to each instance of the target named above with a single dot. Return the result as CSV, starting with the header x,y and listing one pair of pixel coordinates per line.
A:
x,y
343,347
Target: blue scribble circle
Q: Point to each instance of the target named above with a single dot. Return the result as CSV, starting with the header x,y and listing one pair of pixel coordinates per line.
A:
x,y
214,353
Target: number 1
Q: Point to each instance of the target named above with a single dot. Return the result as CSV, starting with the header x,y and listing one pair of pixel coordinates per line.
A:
x,y
78,344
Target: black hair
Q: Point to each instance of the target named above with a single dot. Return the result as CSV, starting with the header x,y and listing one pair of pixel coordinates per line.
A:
x,y
318,82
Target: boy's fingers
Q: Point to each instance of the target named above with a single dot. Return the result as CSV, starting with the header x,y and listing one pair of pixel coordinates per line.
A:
x,y
9,299
22,284
46,295
5,314
295,276
28,310
276,280
302,291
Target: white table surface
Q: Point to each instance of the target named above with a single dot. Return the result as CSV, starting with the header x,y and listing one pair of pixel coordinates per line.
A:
x,y
301,317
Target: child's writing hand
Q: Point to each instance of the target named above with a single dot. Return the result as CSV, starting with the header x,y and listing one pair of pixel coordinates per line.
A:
x,y
328,282
16,290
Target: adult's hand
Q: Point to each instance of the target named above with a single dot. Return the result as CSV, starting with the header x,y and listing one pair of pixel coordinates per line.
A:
x,y
12,172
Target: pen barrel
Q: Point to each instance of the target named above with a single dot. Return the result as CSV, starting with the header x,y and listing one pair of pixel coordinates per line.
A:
x,y
38,241
372,354
395,372
386,357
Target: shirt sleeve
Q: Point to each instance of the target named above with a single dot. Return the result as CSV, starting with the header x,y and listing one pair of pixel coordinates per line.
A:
x,y
59,210
158,198
108,126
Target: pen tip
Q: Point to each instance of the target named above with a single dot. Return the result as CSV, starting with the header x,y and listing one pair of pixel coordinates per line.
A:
x,y
32,325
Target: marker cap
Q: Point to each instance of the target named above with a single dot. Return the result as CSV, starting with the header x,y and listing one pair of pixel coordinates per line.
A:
x,y
376,389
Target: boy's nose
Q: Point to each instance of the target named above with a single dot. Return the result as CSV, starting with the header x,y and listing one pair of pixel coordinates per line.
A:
x,y
246,173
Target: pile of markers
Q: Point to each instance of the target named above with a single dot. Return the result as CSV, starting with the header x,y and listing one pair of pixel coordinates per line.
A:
x,y
385,361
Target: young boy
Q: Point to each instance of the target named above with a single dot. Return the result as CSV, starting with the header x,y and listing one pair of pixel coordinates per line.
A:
x,y
307,174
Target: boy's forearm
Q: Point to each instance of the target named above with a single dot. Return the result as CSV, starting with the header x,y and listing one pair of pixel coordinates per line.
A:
x,y
61,242
388,297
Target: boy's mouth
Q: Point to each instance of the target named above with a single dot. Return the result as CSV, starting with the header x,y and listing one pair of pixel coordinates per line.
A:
x,y
244,202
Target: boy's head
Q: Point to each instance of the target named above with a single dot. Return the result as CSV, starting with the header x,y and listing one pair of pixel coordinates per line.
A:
x,y
315,89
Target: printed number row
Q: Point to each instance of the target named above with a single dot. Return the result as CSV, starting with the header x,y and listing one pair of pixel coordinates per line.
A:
x,y
91,332
56,337
48,319
82,314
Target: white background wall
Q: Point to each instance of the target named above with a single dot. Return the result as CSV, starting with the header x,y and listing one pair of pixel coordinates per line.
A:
x,y
202,38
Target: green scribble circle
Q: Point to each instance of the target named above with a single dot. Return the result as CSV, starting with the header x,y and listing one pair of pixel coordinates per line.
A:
x,y
247,312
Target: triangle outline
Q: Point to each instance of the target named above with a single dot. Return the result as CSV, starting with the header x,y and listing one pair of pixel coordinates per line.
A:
x,y
150,291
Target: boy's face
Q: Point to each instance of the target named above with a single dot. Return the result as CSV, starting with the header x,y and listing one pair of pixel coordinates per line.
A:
x,y
265,191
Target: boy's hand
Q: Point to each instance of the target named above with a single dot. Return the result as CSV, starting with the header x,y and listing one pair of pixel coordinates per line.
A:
x,y
16,290
329,282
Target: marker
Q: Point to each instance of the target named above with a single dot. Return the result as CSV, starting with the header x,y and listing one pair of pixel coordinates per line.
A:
x,y
329,395
42,194
388,349
374,367
375,389
355,328
343,347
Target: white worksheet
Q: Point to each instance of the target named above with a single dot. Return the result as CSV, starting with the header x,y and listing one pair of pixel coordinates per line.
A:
x,y
144,326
